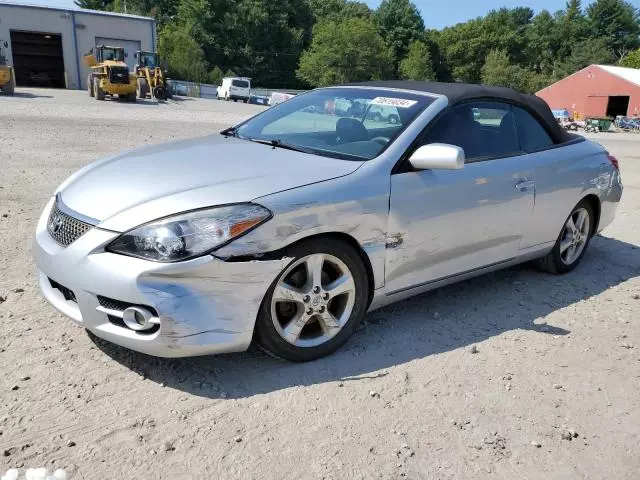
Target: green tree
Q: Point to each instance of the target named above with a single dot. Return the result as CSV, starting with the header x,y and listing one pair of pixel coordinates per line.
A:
x,y
542,42
498,70
572,27
585,53
417,64
183,54
465,46
631,60
400,24
617,22
345,51
339,9
215,76
94,4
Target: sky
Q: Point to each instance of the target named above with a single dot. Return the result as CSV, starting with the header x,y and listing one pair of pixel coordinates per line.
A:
x,y
436,13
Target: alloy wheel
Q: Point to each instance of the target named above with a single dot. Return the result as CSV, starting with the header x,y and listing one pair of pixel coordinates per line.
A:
x,y
574,236
313,300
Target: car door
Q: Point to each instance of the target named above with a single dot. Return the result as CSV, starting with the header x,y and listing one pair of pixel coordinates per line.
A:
x,y
447,222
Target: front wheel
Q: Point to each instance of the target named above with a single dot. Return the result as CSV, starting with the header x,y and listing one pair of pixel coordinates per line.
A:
x,y
97,91
316,303
9,87
572,242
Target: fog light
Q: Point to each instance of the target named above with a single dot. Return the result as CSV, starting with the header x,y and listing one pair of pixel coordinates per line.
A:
x,y
138,318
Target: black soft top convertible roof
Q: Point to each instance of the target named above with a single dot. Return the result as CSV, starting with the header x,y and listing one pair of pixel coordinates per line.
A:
x,y
461,92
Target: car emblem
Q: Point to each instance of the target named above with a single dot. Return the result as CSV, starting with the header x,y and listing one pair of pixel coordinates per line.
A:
x,y
56,223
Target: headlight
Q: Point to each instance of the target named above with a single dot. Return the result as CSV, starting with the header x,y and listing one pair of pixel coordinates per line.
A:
x,y
190,234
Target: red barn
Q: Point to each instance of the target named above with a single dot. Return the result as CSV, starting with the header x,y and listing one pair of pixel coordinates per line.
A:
x,y
597,91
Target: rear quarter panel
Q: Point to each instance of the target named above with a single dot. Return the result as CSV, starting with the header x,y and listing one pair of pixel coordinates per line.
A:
x,y
564,176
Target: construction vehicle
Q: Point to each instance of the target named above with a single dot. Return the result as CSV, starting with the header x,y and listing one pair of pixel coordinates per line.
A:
x,y
109,74
150,78
7,75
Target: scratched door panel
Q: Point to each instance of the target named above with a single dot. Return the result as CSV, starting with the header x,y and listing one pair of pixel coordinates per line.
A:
x,y
453,221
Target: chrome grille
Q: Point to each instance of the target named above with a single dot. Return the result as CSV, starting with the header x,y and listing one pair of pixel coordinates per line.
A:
x,y
65,229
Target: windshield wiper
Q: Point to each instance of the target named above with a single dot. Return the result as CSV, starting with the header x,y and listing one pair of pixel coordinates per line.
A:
x,y
276,143
229,132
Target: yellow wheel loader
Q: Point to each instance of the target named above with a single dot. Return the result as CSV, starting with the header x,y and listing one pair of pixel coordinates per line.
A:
x,y
7,75
109,74
150,78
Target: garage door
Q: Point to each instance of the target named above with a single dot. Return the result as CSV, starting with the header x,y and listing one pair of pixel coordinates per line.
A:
x,y
37,59
130,48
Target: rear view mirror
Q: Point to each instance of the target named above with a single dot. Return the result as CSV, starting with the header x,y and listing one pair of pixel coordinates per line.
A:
x,y
437,156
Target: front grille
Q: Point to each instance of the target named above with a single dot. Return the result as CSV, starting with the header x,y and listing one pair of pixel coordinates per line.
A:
x,y
117,305
64,228
119,75
66,293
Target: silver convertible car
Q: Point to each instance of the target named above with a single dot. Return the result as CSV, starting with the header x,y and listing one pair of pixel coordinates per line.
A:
x,y
288,228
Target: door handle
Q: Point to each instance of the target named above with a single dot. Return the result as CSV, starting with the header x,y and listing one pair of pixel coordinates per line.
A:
x,y
525,185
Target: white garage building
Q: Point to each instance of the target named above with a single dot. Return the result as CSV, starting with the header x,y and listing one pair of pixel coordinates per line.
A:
x,y
46,45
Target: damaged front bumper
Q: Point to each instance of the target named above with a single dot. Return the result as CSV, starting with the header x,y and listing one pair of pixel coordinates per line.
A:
x,y
203,306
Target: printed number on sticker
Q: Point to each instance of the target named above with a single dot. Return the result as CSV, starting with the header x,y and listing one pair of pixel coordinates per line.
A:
x,y
393,102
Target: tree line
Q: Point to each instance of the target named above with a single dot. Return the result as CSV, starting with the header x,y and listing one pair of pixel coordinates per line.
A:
x,y
310,43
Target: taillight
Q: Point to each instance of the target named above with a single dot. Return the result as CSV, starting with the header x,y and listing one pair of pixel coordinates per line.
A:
x,y
614,161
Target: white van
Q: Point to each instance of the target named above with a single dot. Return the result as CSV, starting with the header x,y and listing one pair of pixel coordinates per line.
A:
x,y
234,88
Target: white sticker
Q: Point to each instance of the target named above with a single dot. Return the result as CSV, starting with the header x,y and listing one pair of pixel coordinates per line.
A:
x,y
393,102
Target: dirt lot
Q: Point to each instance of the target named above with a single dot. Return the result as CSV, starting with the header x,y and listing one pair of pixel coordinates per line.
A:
x,y
406,398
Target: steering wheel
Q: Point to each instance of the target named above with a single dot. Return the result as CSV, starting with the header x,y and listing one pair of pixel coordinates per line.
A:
x,y
381,140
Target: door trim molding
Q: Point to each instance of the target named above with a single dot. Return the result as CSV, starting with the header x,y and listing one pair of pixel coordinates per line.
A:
x,y
451,277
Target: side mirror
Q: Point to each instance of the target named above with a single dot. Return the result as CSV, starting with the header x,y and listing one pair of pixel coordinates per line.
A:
x,y
6,45
437,156
126,54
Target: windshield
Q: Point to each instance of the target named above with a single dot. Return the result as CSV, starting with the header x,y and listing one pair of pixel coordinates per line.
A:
x,y
240,83
348,123
114,54
148,60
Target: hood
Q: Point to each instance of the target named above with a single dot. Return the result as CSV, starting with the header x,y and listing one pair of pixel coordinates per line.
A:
x,y
141,185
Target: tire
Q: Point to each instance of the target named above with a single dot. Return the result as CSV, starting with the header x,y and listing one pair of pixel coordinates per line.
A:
x,y
347,308
97,91
10,87
142,88
393,119
90,85
557,261
377,117
131,97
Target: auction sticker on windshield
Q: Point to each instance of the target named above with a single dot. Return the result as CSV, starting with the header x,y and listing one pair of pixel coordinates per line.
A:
x,y
393,102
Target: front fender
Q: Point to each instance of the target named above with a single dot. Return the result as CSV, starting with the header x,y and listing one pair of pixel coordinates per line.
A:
x,y
354,205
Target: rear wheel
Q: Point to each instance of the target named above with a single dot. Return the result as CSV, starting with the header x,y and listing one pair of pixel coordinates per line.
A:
x,y
131,97
90,85
142,88
316,303
572,242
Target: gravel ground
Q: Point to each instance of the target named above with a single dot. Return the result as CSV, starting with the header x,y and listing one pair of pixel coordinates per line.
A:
x,y
555,357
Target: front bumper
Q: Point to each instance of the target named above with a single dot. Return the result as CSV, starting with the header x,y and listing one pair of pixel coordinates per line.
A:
x,y
117,88
205,306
